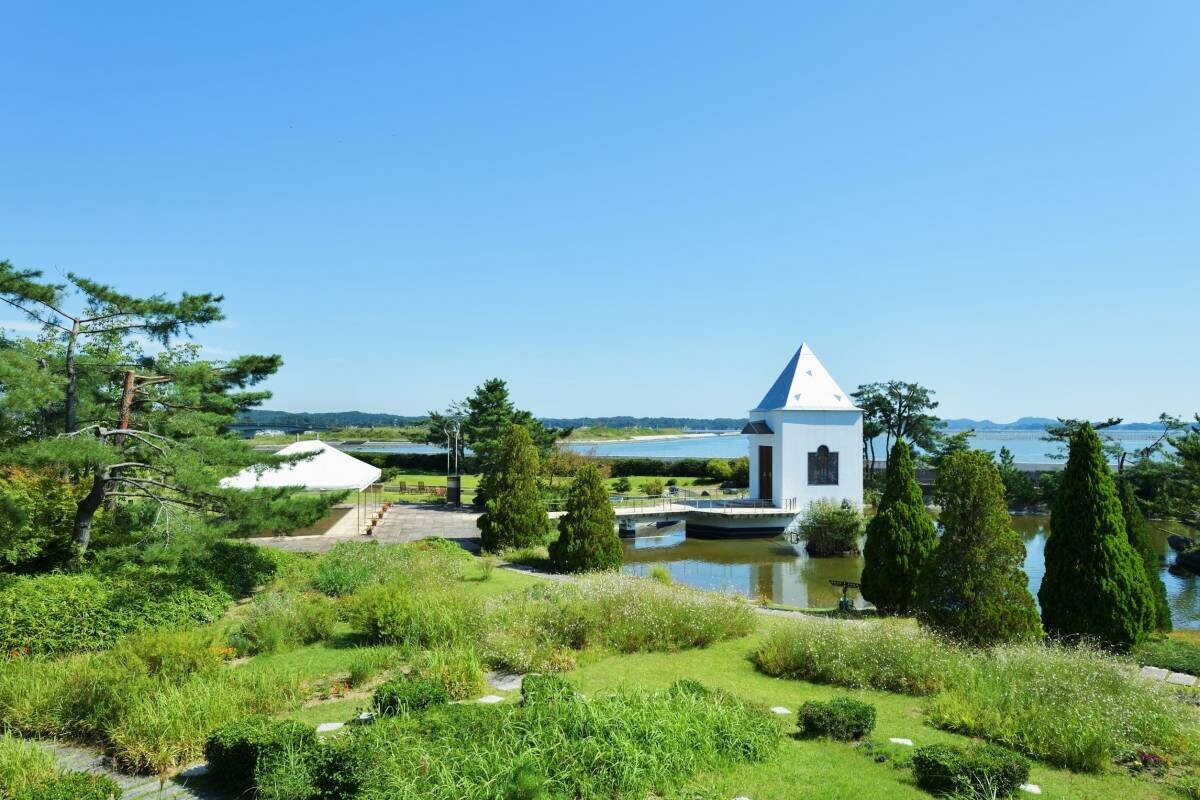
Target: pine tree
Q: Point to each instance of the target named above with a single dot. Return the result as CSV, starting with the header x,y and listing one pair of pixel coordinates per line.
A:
x,y
1095,584
900,538
587,536
1139,540
514,514
974,588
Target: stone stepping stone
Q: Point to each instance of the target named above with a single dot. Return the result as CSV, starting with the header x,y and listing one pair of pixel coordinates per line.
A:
x,y
779,710
1153,673
491,698
905,742
504,681
326,727
1031,788
1181,679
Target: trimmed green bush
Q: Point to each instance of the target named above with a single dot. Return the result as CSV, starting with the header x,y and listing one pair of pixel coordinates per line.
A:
x,y
546,689
1095,585
900,539
841,718
587,536
72,786
974,586
1139,539
980,770
408,695
240,752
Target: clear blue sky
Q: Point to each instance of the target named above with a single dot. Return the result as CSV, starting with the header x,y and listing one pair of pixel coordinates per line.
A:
x,y
636,208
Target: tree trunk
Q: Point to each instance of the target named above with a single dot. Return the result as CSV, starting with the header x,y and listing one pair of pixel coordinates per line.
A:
x,y
85,512
71,377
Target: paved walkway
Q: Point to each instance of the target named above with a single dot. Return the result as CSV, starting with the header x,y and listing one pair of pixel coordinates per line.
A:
x,y
401,523
185,786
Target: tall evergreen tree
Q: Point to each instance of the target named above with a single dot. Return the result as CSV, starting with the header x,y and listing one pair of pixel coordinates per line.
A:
x,y
974,587
587,536
900,538
514,515
1139,539
1095,585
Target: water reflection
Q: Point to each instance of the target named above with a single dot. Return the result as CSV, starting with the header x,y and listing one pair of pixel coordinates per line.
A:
x,y
783,573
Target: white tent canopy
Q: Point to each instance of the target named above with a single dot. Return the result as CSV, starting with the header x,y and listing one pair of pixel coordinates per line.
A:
x,y
329,470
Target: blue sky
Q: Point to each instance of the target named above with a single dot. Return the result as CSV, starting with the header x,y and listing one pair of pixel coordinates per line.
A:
x,y
632,208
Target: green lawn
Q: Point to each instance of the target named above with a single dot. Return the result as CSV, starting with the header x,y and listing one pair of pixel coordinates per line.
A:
x,y
814,770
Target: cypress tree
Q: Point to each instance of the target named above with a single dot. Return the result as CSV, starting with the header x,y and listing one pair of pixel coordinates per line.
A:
x,y
1095,584
514,514
1139,539
900,538
974,586
587,536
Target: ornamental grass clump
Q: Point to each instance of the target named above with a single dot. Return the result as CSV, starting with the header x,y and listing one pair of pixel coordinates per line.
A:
x,y
416,615
626,744
278,622
1074,707
888,655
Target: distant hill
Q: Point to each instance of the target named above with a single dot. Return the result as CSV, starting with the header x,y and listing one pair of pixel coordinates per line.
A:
x,y
1034,424
324,420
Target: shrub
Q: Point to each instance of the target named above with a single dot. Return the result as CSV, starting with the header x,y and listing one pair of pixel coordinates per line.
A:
x,y
351,566
1073,707
1139,539
1095,585
981,770
241,750
407,694
622,485
653,487
719,469
886,655
830,528
458,670
172,654
72,786
587,537
660,573
900,538
974,586
54,614
546,689
23,765
277,622
842,718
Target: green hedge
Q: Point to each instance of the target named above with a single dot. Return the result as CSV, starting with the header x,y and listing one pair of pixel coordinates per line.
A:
x,y
241,754
985,770
54,614
841,718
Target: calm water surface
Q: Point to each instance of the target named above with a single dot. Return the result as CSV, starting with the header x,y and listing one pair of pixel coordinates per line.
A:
x,y
781,571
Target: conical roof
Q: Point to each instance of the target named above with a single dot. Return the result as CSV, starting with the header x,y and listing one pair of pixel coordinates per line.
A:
x,y
805,385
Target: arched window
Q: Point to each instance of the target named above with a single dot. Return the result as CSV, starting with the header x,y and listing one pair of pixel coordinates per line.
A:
x,y
822,467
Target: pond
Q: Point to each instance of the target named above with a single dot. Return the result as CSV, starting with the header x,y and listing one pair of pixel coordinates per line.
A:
x,y
782,572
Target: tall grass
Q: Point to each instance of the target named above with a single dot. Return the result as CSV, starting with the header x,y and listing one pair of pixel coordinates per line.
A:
x,y
277,622
891,655
1073,707
23,765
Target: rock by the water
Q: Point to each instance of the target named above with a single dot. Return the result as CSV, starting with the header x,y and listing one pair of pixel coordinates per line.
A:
x,y
1189,559
1180,543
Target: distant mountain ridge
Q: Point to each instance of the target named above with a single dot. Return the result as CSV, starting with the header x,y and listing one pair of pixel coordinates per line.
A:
x,y
364,419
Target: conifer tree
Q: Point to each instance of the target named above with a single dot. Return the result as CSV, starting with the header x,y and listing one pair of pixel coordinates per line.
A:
x,y
1139,539
1095,584
974,587
514,514
900,538
587,536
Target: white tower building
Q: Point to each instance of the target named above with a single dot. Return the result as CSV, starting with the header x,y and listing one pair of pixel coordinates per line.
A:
x,y
805,439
